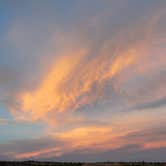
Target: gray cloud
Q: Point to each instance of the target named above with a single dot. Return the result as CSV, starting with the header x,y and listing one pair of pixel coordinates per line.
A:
x,y
11,149
152,104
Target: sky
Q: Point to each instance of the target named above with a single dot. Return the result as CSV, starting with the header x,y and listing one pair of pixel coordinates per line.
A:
x,y
83,80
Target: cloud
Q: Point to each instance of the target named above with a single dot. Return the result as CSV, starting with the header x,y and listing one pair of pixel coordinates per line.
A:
x,y
3,121
28,148
76,69
94,78
153,104
62,91
80,74
88,140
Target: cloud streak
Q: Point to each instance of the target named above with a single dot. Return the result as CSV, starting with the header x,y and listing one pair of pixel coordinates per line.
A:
x,y
92,139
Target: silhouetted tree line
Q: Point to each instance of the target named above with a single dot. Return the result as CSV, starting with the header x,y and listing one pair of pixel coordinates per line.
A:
x,y
35,163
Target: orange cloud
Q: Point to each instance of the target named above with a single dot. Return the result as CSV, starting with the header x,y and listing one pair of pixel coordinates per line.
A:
x,y
68,84
55,151
98,138
132,129
48,95
155,144
78,77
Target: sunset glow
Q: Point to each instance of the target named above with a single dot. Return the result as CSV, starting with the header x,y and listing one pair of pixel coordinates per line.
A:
x,y
83,80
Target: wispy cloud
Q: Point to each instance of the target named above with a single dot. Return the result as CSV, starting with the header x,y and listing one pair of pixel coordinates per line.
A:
x,y
95,78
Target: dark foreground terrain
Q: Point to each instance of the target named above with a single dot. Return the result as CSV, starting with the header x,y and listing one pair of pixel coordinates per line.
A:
x,y
35,163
